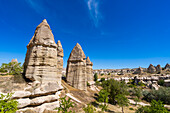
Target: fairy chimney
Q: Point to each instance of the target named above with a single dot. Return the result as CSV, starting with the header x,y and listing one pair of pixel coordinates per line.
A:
x,y
44,57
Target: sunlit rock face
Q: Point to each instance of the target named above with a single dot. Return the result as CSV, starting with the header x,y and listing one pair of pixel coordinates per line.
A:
x,y
43,69
41,62
77,67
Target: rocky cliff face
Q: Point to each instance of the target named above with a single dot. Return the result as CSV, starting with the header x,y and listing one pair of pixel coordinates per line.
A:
x,y
77,66
42,56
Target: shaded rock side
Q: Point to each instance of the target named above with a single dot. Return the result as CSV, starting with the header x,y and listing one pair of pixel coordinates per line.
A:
x,y
167,66
41,58
89,69
151,69
76,69
60,55
158,68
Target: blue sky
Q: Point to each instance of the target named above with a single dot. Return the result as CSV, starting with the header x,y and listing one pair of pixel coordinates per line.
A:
x,y
113,33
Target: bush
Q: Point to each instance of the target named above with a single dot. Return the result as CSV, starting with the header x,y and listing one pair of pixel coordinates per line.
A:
x,y
102,79
89,109
95,77
131,109
161,82
88,84
8,105
156,107
162,94
102,74
65,105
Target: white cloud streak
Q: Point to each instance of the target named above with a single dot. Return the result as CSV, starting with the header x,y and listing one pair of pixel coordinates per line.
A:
x,y
93,7
37,6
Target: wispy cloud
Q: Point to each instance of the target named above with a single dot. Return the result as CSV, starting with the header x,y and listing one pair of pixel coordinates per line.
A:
x,y
93,7
38,6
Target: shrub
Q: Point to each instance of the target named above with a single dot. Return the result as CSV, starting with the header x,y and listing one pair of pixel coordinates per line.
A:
x,y
65,105
88,84
102,79
95,77
89,109
161,82
131,109
162,94
8,105
102,74
156,107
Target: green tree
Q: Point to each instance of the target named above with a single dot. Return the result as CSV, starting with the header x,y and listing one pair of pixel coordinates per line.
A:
x,y
137,92
8,105
12,68
89,109
103,97
156,107
95,77
65,105
122,101
114,88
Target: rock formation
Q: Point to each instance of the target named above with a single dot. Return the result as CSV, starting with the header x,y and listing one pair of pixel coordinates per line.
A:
x,y
60,55
151,69
42,56
43,68
89,69
76,73
139,71
158,68
167,66
14,60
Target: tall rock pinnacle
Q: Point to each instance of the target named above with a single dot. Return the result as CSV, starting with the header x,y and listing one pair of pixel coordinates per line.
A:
x,y
77,67
41,62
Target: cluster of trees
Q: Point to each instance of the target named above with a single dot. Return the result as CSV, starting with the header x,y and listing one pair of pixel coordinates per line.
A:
x,y
12,68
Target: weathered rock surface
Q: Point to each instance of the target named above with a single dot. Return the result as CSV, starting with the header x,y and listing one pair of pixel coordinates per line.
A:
x,y
151,69
158,68
43,69
41,58
89,69
77,66
60,55
139,71
167,66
